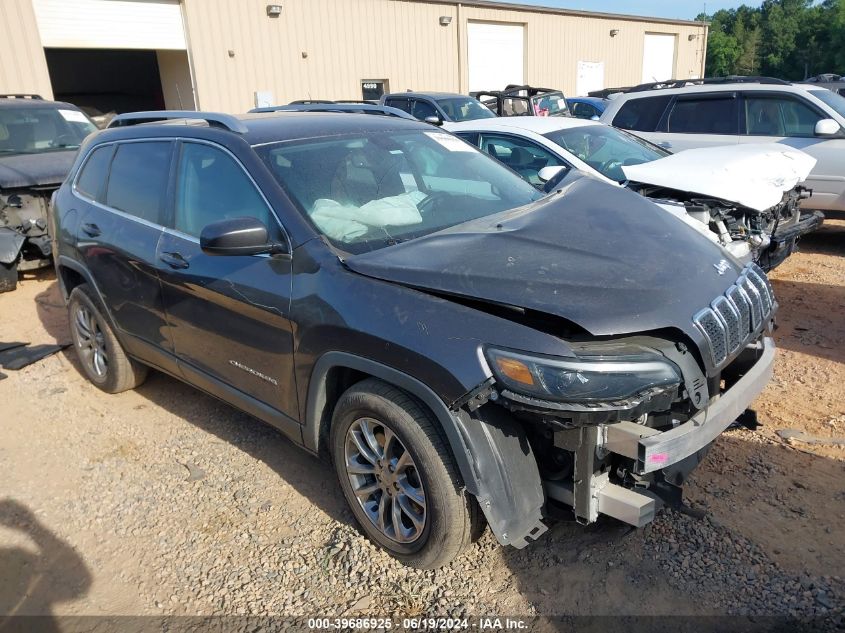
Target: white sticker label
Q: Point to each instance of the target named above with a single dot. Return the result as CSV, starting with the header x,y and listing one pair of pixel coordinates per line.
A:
x,y
452,143
74,116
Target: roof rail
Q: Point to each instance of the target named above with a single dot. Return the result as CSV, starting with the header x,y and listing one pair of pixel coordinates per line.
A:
x,y
729,79
214,119
348,108
22,96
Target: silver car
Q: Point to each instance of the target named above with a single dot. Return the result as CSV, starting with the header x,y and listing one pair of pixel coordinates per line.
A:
x,y
680,115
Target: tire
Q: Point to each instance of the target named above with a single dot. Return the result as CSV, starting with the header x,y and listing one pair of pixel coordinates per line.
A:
x,y
8,277
103,359
450,516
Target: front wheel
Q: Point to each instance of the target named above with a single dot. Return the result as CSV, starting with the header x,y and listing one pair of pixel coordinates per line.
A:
x,y
103,359
399,476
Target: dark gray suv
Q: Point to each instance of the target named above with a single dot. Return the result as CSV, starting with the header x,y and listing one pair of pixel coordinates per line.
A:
x,y
383,293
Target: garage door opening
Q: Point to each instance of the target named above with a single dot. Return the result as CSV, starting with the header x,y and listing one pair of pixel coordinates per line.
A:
x,y
110,80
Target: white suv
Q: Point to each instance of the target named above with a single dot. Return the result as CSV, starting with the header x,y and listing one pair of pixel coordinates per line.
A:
x,y
681,115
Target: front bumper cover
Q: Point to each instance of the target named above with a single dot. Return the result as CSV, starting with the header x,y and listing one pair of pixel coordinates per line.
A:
x,y
660,450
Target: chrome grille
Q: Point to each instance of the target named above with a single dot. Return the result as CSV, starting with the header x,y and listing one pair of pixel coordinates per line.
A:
x,y
742,306
731,319
714,332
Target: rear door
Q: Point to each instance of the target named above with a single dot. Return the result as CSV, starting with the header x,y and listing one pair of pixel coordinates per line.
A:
x,y
229,315
777,117
119,231
699,120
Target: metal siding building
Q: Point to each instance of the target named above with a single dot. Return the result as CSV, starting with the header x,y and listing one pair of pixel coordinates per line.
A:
x,y
224,54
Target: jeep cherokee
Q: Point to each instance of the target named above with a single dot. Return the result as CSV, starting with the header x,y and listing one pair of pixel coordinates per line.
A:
x,y
462,347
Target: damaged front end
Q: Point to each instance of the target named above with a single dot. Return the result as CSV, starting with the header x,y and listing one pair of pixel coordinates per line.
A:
x,y
24,238
765,237
618,428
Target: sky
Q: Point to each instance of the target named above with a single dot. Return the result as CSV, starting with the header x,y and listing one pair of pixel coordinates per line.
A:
x,y
681,9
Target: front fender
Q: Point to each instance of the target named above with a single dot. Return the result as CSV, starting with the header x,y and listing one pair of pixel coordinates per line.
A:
x,y
491,450
11,243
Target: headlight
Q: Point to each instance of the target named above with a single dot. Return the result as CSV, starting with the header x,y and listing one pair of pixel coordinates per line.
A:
x,y
587,378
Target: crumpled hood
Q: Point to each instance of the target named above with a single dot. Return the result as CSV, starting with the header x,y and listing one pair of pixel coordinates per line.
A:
x,y
602,257
32,170
755,176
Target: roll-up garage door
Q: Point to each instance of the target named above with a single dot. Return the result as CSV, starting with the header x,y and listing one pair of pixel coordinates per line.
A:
x,y
114,24
658,57
495,55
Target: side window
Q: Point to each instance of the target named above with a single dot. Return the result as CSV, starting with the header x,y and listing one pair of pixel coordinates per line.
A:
x,y
778,116
641,115
714,115
422,109
92,176
523,156
138,179
211,187
402,104
583,110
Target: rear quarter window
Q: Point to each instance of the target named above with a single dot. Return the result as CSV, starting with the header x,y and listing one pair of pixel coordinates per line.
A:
x,y
92,176
641,115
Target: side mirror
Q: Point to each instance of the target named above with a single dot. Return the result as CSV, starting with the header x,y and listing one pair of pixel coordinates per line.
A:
x,y
433,120
547,173
827,127
237,236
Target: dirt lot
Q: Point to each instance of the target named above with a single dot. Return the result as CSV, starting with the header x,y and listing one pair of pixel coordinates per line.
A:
x,y
163,500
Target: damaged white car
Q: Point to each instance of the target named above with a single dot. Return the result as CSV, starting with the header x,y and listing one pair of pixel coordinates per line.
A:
x,y
744,197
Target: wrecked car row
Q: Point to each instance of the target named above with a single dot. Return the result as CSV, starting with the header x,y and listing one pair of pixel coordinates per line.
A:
x,y
464,347
38,142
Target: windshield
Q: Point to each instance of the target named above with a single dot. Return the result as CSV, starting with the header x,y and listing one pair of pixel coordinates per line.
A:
x,y
42,129
550,104
605,148
464,109
835,101
365,192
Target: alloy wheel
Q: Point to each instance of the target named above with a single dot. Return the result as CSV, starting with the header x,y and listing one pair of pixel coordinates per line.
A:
x,y
90,341
385,480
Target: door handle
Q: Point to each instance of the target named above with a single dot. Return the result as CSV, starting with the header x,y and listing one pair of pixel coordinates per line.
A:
x,y
174,260
91,229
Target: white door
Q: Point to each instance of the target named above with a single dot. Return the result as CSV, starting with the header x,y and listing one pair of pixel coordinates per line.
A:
x,y
136,24
658,57
590,76
495,55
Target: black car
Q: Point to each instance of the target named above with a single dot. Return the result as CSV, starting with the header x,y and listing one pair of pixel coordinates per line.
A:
x,y
38,141
461,346
437,107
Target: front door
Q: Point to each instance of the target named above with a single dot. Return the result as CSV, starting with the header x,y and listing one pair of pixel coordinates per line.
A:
x,y
229,315
790,120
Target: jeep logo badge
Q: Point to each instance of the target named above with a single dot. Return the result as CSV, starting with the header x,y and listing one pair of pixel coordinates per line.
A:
x,y
722,267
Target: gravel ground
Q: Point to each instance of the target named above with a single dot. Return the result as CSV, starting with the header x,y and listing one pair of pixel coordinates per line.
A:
x,y
164,501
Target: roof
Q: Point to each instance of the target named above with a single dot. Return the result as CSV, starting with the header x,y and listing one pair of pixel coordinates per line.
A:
x,y
596,100
536,124
509,6
424,93
717,87
35,103
271,127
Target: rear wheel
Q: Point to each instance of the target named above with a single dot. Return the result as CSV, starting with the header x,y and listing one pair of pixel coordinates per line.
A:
x,y
399,476
102,357
8,277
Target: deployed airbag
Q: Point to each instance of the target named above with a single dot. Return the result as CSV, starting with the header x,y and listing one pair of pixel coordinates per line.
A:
x,y
346,222
755,176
